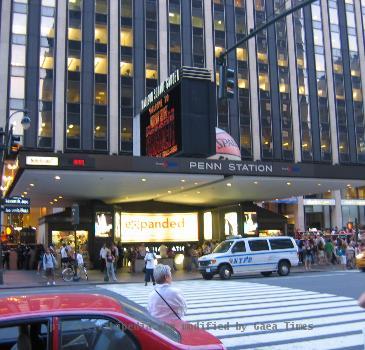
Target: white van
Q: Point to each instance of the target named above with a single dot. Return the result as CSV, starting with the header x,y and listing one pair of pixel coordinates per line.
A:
x,y
256,254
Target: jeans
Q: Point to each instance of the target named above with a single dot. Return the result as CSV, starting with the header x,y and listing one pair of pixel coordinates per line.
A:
x,y
110,271
148,275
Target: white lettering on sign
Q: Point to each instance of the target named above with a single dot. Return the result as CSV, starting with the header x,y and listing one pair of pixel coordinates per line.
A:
x,y
47,161
167,227
234,167
315,201
160,89
353,202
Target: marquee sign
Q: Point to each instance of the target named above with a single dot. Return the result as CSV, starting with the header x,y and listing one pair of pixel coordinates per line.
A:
x,y
162,227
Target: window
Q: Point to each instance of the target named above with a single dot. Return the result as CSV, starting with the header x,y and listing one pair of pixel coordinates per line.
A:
x,y
239,247
258,245
95,334
34,333
281,244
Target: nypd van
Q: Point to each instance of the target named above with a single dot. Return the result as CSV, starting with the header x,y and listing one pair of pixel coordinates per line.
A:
x,y
248,255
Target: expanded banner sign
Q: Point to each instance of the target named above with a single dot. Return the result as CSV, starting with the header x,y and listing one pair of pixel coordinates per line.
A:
x,y
164,227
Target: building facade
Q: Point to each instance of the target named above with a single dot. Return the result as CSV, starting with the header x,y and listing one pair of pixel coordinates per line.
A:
x,y
81,68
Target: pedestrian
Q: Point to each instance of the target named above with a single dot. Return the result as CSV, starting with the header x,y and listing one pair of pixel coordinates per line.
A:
x,y
64,256
166,302
194,257
49,265
115,253
350,255
109,263
308,255
40,254
79,263
341,253
328,249
102,256
141,251
149,267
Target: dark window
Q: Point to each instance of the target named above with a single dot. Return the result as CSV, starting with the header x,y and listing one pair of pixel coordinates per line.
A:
x,y
258,245
281,244
34,335
95,334
239,247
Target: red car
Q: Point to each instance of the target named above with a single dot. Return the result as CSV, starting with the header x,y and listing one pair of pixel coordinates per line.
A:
x,y
91,322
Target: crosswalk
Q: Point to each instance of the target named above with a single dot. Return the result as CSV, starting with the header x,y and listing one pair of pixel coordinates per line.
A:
x,y
245,315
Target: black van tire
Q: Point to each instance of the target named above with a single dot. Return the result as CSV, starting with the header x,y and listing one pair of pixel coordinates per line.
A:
x,y
207,276
266,273
284,268
225,272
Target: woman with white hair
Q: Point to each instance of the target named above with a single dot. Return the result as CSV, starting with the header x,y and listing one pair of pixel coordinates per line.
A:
x,y
166,302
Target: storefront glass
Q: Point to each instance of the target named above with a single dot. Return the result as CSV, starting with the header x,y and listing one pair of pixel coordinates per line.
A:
x,y
68,237
250,224
230,223
103,224
208,226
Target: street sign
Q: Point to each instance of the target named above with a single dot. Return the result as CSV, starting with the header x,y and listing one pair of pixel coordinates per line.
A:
x,y
16,201
16,210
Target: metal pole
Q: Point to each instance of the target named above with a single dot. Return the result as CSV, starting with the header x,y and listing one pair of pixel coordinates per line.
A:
x,y
255,31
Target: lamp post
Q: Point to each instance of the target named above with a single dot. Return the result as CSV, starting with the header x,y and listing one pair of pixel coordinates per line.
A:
x,y
5,140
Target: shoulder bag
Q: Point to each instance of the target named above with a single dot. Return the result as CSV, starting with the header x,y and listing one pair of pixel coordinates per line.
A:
x,y
168,305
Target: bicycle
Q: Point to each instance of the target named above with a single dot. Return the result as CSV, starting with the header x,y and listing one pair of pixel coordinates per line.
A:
x,y
69,273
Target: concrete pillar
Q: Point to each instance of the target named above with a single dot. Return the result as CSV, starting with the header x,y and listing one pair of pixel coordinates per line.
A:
x,y
252,60
59,120
114,77
163,41
294,89
299,215
208,35
4,59
330,83
337,210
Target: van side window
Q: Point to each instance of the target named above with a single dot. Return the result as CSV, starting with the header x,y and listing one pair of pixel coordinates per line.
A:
x,y
257,245
239,247
277,244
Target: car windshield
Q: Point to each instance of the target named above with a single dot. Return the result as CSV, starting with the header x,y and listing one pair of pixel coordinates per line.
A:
x,y
141,315
223,247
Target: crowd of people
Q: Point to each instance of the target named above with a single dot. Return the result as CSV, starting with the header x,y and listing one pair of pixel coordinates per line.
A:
x,y
317,249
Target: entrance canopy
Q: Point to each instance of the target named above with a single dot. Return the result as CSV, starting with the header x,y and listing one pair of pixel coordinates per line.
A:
x,y
62,179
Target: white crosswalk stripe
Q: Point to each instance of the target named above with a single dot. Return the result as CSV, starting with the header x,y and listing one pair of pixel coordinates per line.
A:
x,y
247,315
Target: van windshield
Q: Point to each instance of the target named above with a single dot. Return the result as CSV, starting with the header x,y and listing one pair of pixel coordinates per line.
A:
x,y
223,247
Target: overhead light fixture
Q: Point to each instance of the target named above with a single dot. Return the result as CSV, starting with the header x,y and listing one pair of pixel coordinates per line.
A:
x,y
255,182
288,183
57,177
329,191
168,192
276,199
51,203
319,185
229,184
31,185
195,183
55,200
182,180
22,196
197,192
60,197
349,185
25,192
143,180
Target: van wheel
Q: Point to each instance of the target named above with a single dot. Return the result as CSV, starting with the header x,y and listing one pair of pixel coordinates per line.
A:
x,y
225,272
266,273
207,276
284,268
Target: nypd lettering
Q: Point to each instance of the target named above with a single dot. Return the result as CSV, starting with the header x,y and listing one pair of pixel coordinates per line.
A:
x,y
241,260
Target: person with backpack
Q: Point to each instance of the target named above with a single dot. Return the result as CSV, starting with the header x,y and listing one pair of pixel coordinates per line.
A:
x,y
49,265
109,263
149,267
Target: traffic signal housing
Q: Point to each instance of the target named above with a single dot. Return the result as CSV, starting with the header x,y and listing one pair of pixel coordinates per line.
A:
x,y
13,145
227,82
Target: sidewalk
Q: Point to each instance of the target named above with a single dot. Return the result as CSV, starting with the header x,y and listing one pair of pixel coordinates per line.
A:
x,y
25,279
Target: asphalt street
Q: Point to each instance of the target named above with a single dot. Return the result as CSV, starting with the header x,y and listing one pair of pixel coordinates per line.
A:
x,y
301,311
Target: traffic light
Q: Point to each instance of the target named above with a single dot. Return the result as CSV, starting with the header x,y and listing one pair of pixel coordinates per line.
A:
x,y
13,144
227,82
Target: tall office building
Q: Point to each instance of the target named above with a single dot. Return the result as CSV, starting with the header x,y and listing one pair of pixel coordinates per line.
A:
x,y
81,68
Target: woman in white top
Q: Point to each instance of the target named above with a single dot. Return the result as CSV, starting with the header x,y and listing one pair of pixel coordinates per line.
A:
x,y
149,267
166,302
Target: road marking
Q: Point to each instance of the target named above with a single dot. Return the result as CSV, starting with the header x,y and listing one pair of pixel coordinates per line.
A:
x,y
248,315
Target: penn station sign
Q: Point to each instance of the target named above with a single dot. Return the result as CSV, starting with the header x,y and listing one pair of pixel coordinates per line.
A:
x,y
234,167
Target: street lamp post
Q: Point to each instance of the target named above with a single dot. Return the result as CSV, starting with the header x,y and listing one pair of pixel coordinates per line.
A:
x,y
5,138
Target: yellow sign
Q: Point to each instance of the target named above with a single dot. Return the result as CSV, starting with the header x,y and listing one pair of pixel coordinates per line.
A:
x,y
47,161
166,227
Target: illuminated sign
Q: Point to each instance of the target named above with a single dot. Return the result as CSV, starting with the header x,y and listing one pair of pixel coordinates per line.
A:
x,y
353,202
166,227
78,162
103,224
230,224
44,161
315,201
161,126
208,226
250,224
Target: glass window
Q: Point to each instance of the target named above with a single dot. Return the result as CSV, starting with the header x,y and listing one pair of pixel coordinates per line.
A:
x,y
335,40
101,64
48,27
17,85
18,55
94,334
318,39
73,61
126,68
19,23
45,86
101,6
284,243
73,91
223,247
75,5
101,34
239,247
101,94
126,37
46,58
258,245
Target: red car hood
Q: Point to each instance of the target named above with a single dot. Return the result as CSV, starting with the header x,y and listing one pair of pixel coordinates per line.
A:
x,y
193,335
